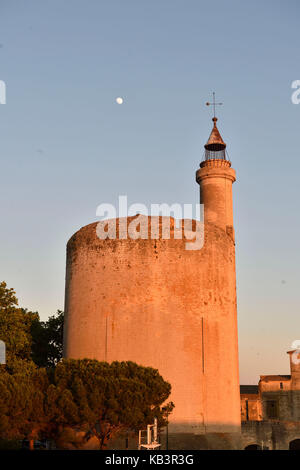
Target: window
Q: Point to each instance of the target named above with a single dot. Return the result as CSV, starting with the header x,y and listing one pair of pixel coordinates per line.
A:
x,y
247,411
281,385
272,409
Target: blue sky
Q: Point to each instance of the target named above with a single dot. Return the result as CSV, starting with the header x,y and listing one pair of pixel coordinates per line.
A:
x,y
66,146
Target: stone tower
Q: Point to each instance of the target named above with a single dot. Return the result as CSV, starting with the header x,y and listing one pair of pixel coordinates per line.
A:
x,y
154,302
215,178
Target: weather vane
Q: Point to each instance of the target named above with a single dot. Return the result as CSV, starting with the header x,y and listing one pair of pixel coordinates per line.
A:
x,y
214,104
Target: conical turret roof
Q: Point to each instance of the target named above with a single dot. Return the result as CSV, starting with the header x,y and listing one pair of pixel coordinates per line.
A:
x,y
215,141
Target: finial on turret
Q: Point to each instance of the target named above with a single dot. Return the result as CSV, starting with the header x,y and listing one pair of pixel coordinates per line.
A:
x,y
214,104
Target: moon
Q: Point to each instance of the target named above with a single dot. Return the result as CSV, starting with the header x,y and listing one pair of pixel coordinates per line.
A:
x,y
119,100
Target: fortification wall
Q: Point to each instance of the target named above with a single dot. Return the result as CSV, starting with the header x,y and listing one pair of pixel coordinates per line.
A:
x,y
155,303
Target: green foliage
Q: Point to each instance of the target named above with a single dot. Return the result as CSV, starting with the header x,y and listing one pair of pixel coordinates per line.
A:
x,y
22,402
25,336
107,398
41,398
103,399
15,326
47,340
23,386
8,297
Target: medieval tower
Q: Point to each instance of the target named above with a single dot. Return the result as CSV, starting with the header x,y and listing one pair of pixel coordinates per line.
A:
x,y
154,302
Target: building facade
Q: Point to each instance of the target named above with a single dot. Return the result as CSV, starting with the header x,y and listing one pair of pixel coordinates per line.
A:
x,y
270,411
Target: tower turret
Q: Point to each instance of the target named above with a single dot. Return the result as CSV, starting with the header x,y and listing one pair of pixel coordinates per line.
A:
x,y
220,340
215,178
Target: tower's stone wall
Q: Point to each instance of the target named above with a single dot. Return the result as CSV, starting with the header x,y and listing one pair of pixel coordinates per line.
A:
x,y
155,303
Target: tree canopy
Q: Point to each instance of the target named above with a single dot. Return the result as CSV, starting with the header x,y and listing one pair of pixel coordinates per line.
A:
x,y
22,402
100,398
41,393
27,337
47,340
107,398
15,325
